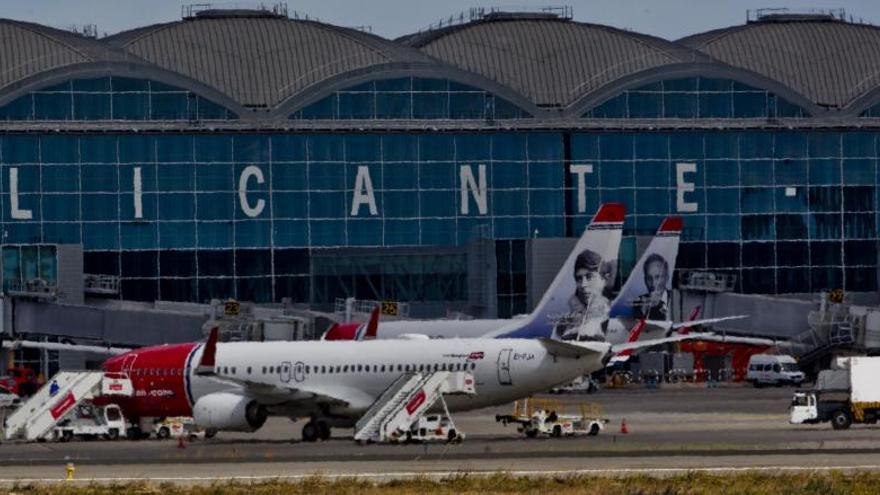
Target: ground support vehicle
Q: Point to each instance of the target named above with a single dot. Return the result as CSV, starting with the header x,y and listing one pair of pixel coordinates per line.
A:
x,y
434,428
178,427
8,399
773,369
548,417
582,385
849,393
90,421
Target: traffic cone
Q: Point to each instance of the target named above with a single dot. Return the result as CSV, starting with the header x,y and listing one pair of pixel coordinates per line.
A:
x,y
180,443
623,429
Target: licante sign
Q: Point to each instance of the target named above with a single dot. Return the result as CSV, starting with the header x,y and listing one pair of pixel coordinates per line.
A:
x,y
472,188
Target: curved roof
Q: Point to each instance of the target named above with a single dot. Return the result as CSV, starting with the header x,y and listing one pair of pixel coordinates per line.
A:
x,y
831,63
259,62
29,49
553,62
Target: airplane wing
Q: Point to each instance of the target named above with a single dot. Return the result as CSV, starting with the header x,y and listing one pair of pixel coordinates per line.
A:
x,y
707,336
57,346
574,349
669,325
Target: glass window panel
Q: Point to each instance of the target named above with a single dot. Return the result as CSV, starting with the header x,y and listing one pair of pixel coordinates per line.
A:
x,y
169,106
57,207
327,232
723,255
789,171
858,199
825,226
325,108
757,282
177,235
215,206
22,108
826,279
214,234
760,254
791,227
329,205
755,144
651,201
293,204
716,105
680,106
393,106
756,172
100,236
759,227
860,253
645,105
751,104
825,199
357,105
722,200
615,108
860,279
859,171
545,203
100,207
825,253
756,200
722,228
58,178
722,173
793,253
291,233
859,226
401,232
53,106
785,202
139,235
253,233
824,171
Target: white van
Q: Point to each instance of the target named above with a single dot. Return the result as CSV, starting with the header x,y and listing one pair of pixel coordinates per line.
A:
x,y
774,369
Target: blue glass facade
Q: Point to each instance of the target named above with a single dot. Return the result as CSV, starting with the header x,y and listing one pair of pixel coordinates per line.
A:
x,y
696,97
195,216
113,98
411,98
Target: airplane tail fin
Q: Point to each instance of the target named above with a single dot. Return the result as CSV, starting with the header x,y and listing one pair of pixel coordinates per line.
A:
x,y
634,334
691,318
645,293
580,283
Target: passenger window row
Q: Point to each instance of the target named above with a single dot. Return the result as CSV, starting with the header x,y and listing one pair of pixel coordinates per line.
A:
x,y
359,368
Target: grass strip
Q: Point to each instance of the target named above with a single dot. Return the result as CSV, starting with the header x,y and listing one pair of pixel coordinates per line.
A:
x,y
686,484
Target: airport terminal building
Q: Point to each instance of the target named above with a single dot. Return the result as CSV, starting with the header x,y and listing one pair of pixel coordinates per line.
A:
x,y
259,156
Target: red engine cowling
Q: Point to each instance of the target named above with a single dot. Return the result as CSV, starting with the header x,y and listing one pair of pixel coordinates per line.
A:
x,y
226,411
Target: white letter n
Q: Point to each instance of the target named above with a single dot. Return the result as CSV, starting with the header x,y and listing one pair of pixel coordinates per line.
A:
x,y
477,188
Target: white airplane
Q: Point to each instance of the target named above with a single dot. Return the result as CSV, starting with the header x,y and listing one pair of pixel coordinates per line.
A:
x,y
235,386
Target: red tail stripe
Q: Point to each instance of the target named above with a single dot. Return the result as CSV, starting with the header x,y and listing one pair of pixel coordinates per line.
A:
x,y
671,224
610,212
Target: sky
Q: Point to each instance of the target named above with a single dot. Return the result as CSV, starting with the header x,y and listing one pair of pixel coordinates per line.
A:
x,y
670,19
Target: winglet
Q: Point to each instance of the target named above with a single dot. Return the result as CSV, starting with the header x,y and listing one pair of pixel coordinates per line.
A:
x,y
206,363
372,325
610,213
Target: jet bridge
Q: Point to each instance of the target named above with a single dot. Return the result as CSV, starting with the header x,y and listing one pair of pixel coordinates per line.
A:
x,y
44,410
406,400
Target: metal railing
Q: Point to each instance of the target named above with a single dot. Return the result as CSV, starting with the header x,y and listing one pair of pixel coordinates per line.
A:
x,y
35,287
193,10
707,281
349,306
473,14
101,284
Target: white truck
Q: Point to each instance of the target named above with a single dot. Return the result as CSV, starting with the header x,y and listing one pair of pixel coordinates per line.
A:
x,y
90,421
848,393
434,428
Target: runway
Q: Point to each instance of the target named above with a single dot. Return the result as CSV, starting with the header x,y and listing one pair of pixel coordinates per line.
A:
x,y
671,430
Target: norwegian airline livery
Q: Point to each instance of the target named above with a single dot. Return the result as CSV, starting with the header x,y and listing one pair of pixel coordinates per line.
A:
x,y
579,288
236,386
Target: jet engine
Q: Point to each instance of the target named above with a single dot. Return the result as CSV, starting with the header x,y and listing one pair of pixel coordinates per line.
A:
x,y
229,412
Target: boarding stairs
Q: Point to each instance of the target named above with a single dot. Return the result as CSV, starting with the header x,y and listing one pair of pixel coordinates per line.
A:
x,y
406,400
44,410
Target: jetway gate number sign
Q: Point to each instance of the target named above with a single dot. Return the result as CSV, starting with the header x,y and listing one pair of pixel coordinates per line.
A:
x,y
390,308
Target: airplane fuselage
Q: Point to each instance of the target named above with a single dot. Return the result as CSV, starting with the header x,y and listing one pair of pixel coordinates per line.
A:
x,y
290,374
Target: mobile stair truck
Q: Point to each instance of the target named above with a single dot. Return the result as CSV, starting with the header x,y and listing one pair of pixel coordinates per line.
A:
x,y
848,393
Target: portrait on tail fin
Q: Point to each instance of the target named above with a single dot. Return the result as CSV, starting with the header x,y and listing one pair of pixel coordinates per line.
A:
x,y
654,304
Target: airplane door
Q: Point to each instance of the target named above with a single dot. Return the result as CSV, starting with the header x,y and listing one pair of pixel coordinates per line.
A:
x,y
299,371
285,371
504,367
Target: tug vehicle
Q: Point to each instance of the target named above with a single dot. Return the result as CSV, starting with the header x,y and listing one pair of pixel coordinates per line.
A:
x,y
548,417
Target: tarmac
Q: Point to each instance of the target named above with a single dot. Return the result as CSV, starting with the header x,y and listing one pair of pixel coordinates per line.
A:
x,y
672,429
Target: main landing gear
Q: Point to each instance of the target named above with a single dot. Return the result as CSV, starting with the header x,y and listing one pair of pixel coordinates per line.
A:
x,y
315,430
